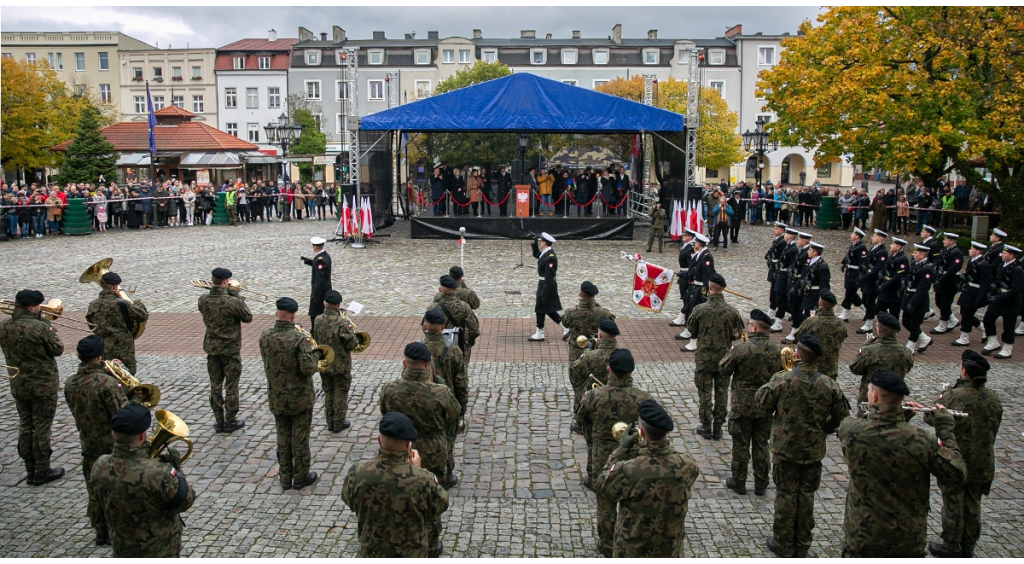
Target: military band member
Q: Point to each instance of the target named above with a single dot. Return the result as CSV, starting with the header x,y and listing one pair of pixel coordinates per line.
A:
x,y
289,362
974,287
805,408
93,397
30,343
914,298
582,319
830,332
773,258
223,314
871,277
884,352
685,252
993,254
657,228
787,270
547,304
715,325
947,276
976,437
142,497
750,364
886,511
702,268
853,264
336,331
652,485
457,314
897,266
1005,301
447,360
115,320
467,295
320,282
603,407
396,501
593,361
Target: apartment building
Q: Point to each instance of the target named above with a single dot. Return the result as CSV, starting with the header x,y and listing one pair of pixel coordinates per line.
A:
x,y
176,77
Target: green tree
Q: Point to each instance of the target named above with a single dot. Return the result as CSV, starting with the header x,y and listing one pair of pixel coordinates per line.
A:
x,y
311,141
89,155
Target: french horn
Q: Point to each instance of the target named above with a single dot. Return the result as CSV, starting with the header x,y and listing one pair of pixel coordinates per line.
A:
x,y
172,429
150,393
362,336
326,351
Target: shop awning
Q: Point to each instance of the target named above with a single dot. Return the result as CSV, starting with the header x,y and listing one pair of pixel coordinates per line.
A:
x,y
201,160
133,159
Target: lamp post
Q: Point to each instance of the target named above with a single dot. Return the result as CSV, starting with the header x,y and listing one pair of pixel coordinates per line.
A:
x,y
757,142
282,132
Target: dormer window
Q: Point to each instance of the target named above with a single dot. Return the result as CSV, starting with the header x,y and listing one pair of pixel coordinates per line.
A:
x,y
312,57
600,56
375,56
568,56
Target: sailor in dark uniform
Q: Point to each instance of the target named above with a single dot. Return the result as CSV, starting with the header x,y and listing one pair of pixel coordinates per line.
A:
x,y
794,293
934,250
853,264
772,258
815,279
896,267
685,252
787,266
975,283
871,276
321,281
993,255
914,297
548,303
702,266
947,274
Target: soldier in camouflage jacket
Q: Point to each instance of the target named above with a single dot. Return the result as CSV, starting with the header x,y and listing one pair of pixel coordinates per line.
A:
x,y
829,330
31,344
458,314
657,228
885,352
446,358
223,314
593,361
715,325
583,318
105,311
462,291
333,329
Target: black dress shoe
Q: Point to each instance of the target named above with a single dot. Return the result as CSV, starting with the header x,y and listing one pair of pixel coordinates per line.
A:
x,y
575,428
940,549
760,491
437,550
736,488
775,548
102,538
47,477
344,425
703,432
308,481
454,481
587,483
232,426
286,485
679,337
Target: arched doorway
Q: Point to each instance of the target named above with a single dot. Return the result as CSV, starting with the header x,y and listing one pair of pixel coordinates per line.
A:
x,y
792,166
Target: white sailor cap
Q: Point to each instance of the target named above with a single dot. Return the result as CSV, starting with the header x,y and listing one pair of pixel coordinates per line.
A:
x,y
979,246
703,238
544,235
818,247
317,241
804,235
881,233
1012,249
688,231
780,224
949,235
922,248
858,232
999,233
929,229
900,242
792,231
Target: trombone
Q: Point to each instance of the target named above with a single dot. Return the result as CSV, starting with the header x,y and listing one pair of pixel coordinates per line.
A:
x,y
233,285
953,412
52,311
13,369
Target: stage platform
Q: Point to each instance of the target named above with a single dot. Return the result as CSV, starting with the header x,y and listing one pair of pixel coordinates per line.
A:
x,y
494,227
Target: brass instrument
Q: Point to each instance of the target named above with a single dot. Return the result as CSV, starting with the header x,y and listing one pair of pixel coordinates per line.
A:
x,y
10,369
597,383
52,311
326,352
362,336
150,393
172,429
953,412
788,358
743,337
95,272
618,429
233,285
704,292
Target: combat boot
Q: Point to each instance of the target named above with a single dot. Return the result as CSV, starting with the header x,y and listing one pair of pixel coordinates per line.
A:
x,y
966,550
454,481
342,426
776,549
760,490
587,483
309,480
50,475
102,538
716,433
702,431
940,549
437,550
574,427
232,426
735,487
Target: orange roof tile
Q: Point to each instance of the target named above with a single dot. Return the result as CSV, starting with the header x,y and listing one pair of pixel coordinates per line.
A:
x,y
128,136
173,110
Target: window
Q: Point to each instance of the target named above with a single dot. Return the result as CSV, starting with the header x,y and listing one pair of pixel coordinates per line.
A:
x,y
178,101
79,62
11,56
104,62
490,55
158,103
264,63
106,97
197,103
716,57
761,96
376,89
651,56
568,56
158,72
600,56
422,89
230,98
81,89
30,57
176,72
318,120
765,56
538,56
340,90
49,57
448,56
571,81
312,57
254,132
312,89
825,170
60,61
137,73
340,124
252,98
767,118
197,72
231,128
140,104
718,85
238,63
375,56
464,56
423,56
711,173
599,82
274,97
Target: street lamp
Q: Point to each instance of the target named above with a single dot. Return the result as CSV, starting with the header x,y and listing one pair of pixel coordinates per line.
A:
x,y
757,142
282,132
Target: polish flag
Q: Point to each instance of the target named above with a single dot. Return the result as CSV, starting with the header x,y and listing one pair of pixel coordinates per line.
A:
x,y
346,226
675,229
367,217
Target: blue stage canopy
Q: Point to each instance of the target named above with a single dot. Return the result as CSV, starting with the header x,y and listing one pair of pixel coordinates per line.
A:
x,y
524,102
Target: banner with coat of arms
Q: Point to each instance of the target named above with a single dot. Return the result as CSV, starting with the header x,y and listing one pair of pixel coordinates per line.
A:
x,y
651,285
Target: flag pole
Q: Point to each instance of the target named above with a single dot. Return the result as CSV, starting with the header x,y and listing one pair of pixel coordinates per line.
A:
x,y
151,120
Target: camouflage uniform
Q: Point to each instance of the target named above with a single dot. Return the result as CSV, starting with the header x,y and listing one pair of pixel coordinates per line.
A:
x,y
600,409
583,320
750,365
118,341
716,325
223,314
434,411
337,332
657,230
141,498
30,343
652,486
289,362
467,295
885,352
94,397
887,510
459,314
396,504
452,369
805,408
593,361
830,332
976,436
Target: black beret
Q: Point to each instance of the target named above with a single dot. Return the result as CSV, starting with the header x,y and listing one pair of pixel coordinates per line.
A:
x,y
889,320
434,317
29,297
222,273
287,304
131,419
588,288
332,297
811,342
971,356
621,361
655,415
758,315
608,326
111,278
889,381
417,351
449,282
456,272
717,278
828,297
397,426
90,347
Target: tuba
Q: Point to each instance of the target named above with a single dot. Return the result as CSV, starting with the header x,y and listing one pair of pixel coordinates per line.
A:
x,y
326,352
172,429
94,273
362,336
150,393
788,358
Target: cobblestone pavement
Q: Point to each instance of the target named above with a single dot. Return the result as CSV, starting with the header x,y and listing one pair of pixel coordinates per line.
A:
x,y
519,467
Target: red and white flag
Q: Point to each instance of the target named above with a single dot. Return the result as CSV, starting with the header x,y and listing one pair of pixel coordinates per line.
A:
x,y
675,229
367,218
346,226
651,284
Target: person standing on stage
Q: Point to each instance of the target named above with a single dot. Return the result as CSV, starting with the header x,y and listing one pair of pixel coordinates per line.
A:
x,y
853,268
947,274
787,269
547,304
702,267
871,277
974,287
320,283
657,228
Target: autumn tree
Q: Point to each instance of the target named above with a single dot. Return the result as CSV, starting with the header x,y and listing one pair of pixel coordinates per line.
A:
x,y
922,89
89,155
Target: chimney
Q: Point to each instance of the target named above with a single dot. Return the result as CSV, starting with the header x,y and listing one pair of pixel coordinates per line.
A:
x,y
272,35
432,35
305,34
528,34
652,34
323,36
339,34
617,33
379,36
477,34
548,36
408,36
734,30
575,34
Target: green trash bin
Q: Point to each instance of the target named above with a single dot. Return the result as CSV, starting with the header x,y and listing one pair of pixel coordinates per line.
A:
x,y
828,214
220,211
76,218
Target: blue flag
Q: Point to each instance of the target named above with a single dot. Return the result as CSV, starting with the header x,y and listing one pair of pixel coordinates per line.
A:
x,y
152,121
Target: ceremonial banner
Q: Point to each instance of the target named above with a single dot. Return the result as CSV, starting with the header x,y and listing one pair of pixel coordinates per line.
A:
x,y
651,284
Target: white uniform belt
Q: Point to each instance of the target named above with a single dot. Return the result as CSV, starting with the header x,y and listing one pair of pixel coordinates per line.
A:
x,y
783,270
697,283
853,267
541,278
973,285
815,287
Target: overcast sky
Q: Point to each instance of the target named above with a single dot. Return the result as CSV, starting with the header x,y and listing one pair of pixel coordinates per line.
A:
x,y
217,26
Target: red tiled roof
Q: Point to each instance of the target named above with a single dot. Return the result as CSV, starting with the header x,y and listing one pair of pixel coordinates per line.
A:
x,y
224,61
257,44
173,110
128,136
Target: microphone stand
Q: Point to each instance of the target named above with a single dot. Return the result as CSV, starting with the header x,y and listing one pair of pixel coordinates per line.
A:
x,y
520,265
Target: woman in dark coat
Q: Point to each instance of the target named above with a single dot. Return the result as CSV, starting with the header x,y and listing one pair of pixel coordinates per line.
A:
x,y
878,212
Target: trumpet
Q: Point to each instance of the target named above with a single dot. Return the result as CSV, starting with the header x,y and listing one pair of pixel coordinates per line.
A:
x,y
52,311
788,358
953,412
363,336
172,429
326,352
233,285
94,273
13,369
150,393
